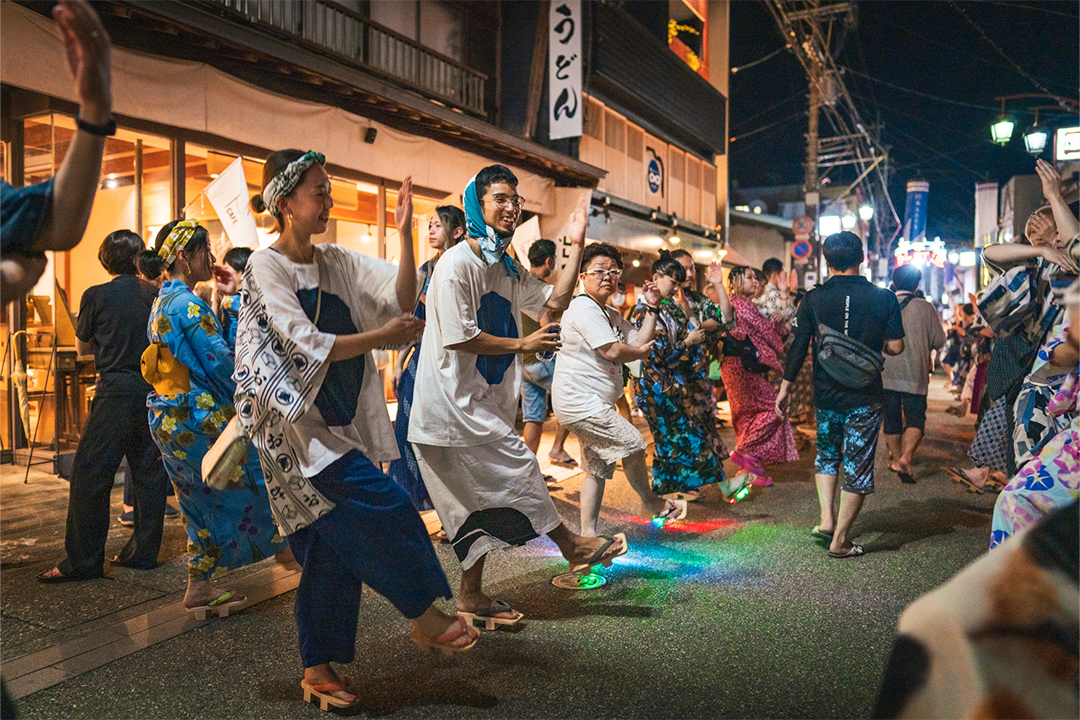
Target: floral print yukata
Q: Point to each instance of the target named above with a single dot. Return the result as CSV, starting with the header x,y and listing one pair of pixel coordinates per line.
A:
x,y
226,528
675,395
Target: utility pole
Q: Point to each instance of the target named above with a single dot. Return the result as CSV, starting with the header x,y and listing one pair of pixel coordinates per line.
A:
x,y
811,189
811,30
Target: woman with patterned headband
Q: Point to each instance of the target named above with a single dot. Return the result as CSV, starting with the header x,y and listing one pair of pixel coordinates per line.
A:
x,y
310,315
190,365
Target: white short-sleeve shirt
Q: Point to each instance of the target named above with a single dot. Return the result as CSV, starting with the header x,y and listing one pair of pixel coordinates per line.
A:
x,y
586,382
462,399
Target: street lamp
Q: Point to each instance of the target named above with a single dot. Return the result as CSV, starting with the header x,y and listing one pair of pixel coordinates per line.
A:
x,y
1035,136
1002,129
866,212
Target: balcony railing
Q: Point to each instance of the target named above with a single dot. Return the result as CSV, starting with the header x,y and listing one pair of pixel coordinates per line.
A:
x,y
352,36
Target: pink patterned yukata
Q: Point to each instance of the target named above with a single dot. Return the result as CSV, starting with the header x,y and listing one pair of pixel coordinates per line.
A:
x,y
759,433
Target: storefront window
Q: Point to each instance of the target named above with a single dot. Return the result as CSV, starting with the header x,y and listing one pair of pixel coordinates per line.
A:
x,y
134,194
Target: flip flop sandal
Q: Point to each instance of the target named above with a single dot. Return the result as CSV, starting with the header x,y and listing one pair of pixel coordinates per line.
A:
x,y
595,559
443,642
820,534
571,463
219,605
855,551
958,475
677,511
323,692
906,477
487,615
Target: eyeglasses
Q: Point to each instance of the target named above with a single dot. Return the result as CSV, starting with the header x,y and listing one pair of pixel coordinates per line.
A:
x,y
601,274
504,200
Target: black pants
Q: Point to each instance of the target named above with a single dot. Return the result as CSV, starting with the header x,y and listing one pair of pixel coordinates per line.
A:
x,y
117,426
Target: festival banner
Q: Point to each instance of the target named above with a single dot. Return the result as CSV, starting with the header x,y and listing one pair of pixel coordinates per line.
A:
x,y
565,104
228,193
918,194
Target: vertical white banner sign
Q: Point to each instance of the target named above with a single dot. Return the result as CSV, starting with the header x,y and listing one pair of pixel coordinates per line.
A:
x,y
228,193
564,69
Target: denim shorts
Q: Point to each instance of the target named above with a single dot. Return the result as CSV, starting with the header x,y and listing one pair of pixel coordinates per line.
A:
x,y
535,386
849,437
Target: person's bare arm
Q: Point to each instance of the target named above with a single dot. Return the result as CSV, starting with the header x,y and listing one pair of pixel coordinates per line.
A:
x,y
406,277
485,344
1007,254
1067,224
716,278
399,331
76,181
19,274
564,286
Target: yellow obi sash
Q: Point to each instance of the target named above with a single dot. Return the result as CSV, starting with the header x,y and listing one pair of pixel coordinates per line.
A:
x,y
164,372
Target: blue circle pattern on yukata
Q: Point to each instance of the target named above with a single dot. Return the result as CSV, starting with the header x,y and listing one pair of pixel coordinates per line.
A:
x,y
496,317
340,389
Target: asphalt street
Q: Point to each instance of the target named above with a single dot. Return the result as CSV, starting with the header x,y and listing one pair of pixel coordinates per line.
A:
x,y
734,613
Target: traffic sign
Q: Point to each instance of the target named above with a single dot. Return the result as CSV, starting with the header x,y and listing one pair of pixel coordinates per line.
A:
x,y
802,225
801,249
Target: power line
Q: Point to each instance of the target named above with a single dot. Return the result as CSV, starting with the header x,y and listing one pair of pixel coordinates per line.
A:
x,y
921,94
798,93
1033,7
1001,52
749,65
763,128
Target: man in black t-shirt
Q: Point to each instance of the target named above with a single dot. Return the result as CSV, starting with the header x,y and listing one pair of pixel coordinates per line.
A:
x,y
848,419
113,319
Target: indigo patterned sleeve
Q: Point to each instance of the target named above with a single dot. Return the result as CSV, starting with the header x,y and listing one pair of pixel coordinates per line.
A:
x,y
22,215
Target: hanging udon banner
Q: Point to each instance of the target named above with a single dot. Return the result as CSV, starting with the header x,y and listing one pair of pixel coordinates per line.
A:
x,y
565,103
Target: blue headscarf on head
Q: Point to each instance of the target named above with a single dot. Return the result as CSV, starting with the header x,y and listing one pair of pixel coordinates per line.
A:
x,y
492,247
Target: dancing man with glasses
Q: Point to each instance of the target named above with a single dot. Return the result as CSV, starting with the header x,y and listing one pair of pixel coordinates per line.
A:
x,y
484,482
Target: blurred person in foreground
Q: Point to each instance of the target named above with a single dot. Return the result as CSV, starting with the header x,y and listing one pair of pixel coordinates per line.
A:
x,y
53,214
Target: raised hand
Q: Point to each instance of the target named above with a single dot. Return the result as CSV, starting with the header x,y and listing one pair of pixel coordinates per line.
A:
x,y
403,213
1051,183
716,273
579,221
1041,229
88,52
226,280
651,293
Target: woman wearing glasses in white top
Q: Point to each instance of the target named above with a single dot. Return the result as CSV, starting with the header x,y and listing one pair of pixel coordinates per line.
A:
x,y
589,380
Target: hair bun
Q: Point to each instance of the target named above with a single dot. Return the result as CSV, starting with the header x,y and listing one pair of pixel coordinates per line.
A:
x,y
257,204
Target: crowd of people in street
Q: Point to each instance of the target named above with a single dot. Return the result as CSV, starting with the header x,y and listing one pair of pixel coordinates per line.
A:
x,y
284,351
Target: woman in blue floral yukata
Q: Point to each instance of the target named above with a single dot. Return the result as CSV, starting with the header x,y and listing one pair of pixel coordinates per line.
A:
x,y
688,453
190,364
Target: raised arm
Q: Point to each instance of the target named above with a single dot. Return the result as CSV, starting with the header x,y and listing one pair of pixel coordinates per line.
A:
x,y
1009,254
564,286
76,181
1067,224
716,278
641,345
406,277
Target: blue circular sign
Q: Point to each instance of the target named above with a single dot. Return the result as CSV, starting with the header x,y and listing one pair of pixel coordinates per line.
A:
x,y
655,178
801,249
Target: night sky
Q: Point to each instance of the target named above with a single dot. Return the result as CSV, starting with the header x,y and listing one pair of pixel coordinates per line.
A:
x,y
928,76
